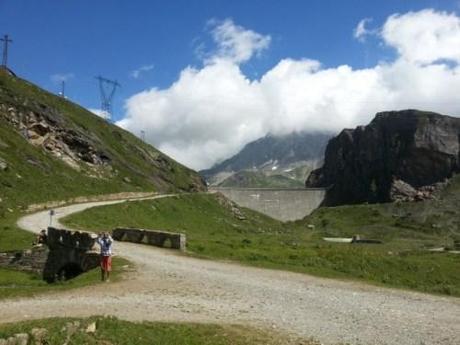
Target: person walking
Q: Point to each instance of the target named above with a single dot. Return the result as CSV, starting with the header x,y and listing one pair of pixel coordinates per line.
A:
x,y
105,242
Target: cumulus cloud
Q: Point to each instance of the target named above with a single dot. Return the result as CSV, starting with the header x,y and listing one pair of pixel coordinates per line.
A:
x,y
425,36
211,112
101,113
235,43
361,31
135,74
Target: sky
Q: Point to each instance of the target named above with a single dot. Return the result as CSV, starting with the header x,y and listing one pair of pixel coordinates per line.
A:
x,y
204,78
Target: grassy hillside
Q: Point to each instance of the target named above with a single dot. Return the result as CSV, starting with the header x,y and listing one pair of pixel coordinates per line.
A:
x,y
110,330
215,231
39,135
427,223
21,284
53,149
256,179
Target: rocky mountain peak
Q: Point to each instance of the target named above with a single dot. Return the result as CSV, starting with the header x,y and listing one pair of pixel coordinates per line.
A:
x,y
409,148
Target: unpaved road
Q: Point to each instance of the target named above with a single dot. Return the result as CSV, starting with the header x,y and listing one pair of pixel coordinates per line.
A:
x,y
171,287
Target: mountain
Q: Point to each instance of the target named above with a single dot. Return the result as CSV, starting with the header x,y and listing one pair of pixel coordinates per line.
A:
x,y
400,155
293,156
257,179
53,149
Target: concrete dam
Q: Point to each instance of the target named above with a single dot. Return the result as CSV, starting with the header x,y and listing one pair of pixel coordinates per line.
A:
x,y
281,204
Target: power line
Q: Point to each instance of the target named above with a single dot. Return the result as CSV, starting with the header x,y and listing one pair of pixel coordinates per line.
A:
x,y
5,41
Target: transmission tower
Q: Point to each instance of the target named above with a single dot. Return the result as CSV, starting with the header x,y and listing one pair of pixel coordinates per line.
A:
x,y
143,136
5,41
107,88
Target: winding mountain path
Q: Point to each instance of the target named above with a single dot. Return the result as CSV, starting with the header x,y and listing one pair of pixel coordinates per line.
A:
x,y
169,286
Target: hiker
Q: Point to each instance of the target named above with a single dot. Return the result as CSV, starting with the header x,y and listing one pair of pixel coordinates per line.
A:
x,y
41,238
105,241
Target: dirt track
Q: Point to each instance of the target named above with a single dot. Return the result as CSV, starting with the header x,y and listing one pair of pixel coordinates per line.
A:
x,y
172,287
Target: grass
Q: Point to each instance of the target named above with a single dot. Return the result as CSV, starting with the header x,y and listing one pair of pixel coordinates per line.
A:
x,y
35,176
110,330
21,284
214,231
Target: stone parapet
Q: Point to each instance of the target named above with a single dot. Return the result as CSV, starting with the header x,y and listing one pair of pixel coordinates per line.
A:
x,y
158,238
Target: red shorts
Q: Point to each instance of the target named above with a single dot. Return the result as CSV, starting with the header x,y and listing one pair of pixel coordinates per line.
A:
x,y
106,263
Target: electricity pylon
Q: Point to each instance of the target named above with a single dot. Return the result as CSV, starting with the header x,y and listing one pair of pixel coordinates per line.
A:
x,y
107,88
5,41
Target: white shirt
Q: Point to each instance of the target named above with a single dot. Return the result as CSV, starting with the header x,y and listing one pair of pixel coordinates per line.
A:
x,y
106,245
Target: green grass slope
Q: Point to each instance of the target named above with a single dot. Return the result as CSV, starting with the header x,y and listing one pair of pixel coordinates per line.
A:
x,y
21,284
110,331
31,174
214,231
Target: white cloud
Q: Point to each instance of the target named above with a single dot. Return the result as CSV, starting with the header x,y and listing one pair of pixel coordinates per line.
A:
x,y
210,113
425,36
60,77
135,74
361,31
235,43
100,113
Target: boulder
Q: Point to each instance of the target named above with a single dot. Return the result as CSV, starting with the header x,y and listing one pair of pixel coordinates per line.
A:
x,y
398,154
3,165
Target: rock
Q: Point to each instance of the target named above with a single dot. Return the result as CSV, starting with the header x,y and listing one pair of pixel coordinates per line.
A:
x,y
409,147
91,328
22,338
403,191
39,335
11,341
3,165
126,179
71,328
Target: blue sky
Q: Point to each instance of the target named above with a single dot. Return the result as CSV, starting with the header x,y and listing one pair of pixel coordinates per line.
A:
x,y
86,38
160,39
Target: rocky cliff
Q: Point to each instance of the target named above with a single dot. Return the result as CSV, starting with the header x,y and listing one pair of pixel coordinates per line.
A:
x,y
399,155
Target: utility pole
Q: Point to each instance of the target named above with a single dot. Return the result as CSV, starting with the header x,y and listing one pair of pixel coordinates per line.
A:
x,y
5,41
63,88
107,88
143,136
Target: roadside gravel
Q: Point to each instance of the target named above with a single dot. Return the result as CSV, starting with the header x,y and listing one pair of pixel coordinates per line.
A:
x,y
168,286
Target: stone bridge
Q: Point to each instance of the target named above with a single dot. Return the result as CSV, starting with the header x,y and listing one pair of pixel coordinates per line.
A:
x,y
65,255
281,204
70,253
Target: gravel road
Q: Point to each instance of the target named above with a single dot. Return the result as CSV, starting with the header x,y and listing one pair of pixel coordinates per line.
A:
x,y
169,286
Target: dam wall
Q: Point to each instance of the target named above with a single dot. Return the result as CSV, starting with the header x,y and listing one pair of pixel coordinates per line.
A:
x,y
281,204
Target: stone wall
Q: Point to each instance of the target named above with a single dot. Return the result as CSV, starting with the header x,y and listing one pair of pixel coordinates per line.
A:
x,y
156,238
70,253
65,255
29,260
